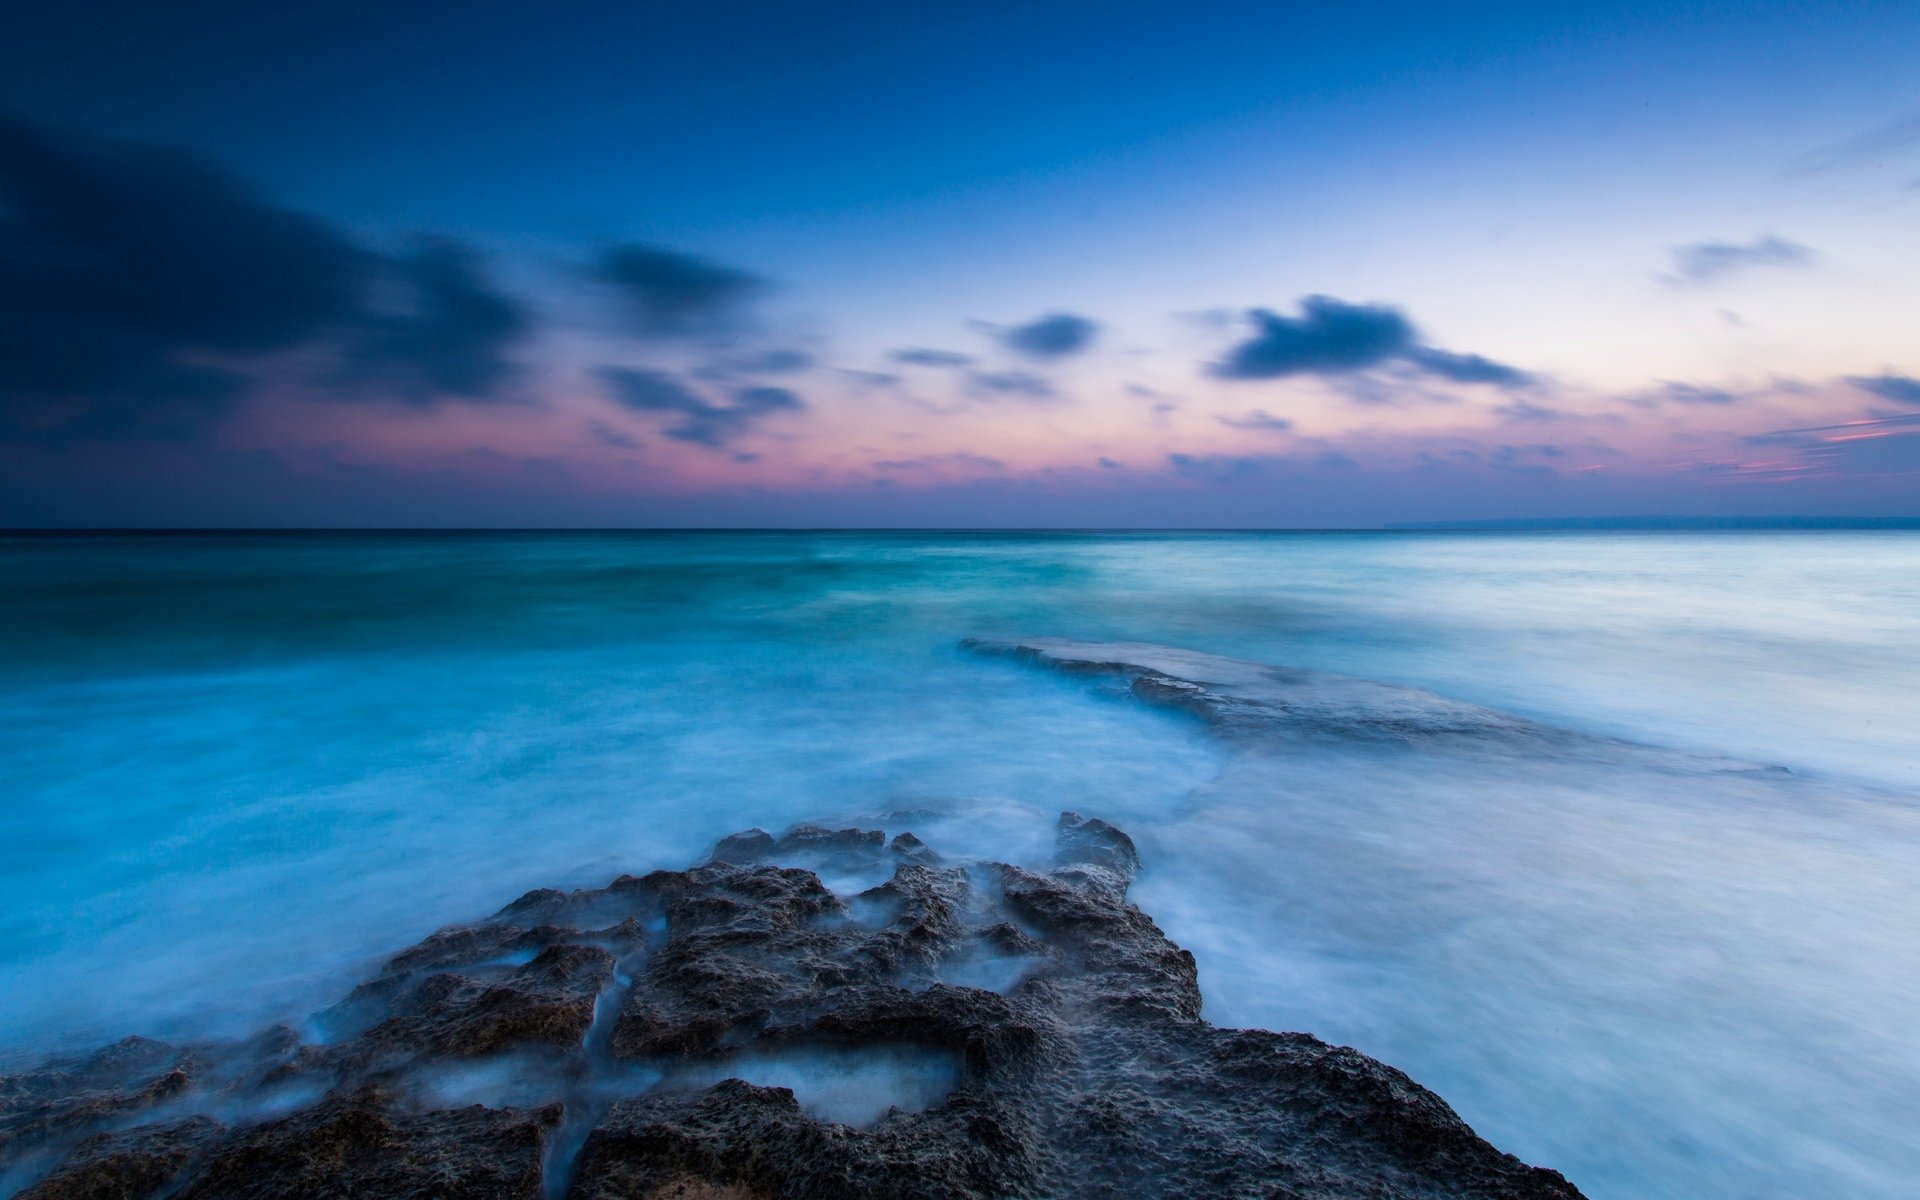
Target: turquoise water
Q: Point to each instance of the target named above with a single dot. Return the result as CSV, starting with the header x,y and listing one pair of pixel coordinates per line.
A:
x,y
234,772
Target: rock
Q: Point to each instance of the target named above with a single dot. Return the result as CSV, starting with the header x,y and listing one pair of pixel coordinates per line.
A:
x,y
1093,842
142,1161
359,1145
580,1044
68,1097
1260,702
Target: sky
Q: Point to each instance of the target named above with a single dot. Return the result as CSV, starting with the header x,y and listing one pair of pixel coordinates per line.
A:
x,y
849,264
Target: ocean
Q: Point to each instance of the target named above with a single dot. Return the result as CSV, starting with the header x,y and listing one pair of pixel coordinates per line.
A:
x,y
1672,956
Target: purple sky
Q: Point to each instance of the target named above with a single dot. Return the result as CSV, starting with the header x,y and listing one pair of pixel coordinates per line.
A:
x,y
1099,266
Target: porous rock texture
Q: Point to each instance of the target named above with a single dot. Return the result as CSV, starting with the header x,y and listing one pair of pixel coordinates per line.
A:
x,y
595,1022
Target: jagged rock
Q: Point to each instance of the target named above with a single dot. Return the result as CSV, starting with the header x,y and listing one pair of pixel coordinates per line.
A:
x,y
603,1025
1093,842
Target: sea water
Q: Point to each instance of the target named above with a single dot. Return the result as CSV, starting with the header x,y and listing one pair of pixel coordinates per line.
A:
x,y
236,772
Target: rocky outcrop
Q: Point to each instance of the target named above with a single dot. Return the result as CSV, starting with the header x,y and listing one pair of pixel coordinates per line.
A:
x,y
586,1044
1261,701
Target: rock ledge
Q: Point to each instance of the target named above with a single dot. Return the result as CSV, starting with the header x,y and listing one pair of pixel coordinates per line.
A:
x,y
580,1044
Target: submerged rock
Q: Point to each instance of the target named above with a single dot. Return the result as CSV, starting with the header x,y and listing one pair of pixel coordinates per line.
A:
x,y
1261,702
569,1046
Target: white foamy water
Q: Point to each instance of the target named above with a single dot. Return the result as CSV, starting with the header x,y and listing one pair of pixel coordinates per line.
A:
x,y
235,773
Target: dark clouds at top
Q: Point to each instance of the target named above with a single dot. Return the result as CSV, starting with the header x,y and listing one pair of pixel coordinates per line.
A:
x,y
1333,337
669,294
142,288
120,264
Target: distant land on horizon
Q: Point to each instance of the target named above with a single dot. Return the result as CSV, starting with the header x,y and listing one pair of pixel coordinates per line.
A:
x,y
1667,522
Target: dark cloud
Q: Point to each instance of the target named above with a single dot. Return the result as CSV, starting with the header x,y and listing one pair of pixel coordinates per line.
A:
x,y
1901,389
1056,335
702,422
920,356
448,336
1467,368
131,276
144,292
1109,464
1013,383
1333,337
1329,337
1711,262
670,294
1260,419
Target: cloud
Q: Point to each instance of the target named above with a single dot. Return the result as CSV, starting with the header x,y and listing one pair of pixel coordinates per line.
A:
x,y
960,458
144,292
1260,419
1467,368
1869,147
1691,393
921,356
1524,459
868,378
449,337
1329,337
122,267
1056,335
1887,446
608,435
702,422
1526,411
1333,337
1013,383
1704,263
774,360
1220,468
670,294
1901,389
1897,424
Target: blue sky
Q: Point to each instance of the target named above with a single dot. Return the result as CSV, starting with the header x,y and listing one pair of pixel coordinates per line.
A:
x,y
1682,238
